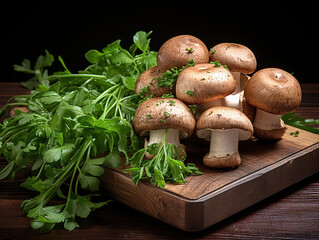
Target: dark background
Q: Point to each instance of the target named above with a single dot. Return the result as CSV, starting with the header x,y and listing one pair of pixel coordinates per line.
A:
x,y
281,35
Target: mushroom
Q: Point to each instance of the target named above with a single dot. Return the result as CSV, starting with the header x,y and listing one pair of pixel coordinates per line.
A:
x,y
155,115
204,83
224,126
273,92
147,83
237,101
238,58
22,109
177,51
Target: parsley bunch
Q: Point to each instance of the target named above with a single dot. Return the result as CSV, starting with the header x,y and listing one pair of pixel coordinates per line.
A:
x,y
166,166
295,120
76,124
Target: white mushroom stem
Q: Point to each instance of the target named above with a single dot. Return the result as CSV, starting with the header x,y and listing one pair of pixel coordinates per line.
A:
x,y
157,136
223,143
236,75
232,100
267,121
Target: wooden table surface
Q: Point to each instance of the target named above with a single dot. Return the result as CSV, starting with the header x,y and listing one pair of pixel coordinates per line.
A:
x,y
292,213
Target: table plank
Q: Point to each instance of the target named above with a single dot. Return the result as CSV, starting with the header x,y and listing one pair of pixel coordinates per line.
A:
x,y
292,213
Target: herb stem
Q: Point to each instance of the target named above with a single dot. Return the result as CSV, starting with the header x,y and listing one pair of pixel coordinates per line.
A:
x,y
87,81
14,129
88,153
124,98
72,165
17,104
81,75
109,108
102,95
18,96
164,143
114,100
12,135
7,105
40,171
39,116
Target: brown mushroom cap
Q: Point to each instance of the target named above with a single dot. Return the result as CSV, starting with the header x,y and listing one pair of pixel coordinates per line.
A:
x,y
237,57
203,83
248,109
223,118
273,90
149,79
22,109
163,113
177,51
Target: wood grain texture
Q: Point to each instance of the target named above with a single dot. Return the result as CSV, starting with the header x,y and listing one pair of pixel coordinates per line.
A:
x,y
255,155
267,167
292,213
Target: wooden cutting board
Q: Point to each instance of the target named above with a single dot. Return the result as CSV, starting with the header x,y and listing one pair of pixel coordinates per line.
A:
x,y
266,168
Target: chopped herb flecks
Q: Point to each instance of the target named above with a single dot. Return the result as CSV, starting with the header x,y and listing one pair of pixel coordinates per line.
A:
x,y
189,50
190,93
170,76
166,114
218,64
295,134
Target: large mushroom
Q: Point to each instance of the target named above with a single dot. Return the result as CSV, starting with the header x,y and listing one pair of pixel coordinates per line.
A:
x,y
204,83
155,115
224,127
177,51
238,58
147,82
273,92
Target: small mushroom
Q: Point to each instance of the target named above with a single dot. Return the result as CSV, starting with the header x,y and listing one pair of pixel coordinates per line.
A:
x,y
204,83
273,92
238,58
177,51
155,115
224,126
22,109
147,83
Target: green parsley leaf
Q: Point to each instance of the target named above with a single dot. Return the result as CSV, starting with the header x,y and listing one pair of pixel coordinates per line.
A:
x,y
166,166
58,153
294,120
93,56
113,159
153,148
40,73
142,41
